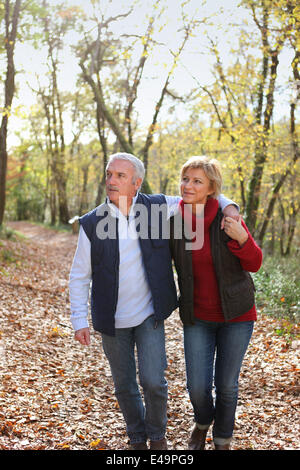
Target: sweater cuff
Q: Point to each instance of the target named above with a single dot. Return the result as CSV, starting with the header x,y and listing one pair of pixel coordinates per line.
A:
x,y
234,245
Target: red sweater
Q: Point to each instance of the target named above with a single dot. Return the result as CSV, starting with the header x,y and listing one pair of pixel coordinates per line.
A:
x,y
207,302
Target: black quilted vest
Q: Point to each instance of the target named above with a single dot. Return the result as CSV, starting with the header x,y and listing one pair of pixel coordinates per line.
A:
x,y
236,286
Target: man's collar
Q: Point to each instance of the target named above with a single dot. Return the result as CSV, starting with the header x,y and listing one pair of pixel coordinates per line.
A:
x,y
115,210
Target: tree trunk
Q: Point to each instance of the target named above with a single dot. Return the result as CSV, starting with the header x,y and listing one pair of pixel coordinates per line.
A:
x,y
253,198
53,110
103,142
10,38
84,199
295,148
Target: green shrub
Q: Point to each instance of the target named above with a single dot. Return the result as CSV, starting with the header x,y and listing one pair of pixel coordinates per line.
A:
x,y
6,233
7,256
278,288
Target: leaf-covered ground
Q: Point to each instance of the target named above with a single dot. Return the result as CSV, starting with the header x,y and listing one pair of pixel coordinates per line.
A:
x,y
57,394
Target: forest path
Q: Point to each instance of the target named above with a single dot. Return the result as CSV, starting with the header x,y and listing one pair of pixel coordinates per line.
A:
x,y
41,233
57,394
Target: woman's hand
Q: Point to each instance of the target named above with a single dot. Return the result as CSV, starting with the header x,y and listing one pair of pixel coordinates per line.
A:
x,y
229,211
235,230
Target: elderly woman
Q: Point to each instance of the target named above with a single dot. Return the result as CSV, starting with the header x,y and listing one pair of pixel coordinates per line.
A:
x,y
216,299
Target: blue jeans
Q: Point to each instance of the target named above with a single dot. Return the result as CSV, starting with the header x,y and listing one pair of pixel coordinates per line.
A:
x,y
146,419
214,353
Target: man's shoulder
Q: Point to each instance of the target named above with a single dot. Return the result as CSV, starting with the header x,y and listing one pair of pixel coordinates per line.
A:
x,y
89,220
97,211
152,198
88,215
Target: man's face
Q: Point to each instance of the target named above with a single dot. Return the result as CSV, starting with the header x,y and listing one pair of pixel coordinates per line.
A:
x,y
120,182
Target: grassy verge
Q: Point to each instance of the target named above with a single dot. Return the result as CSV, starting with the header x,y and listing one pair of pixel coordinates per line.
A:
x,y
56,227
8,252
278,292
7,233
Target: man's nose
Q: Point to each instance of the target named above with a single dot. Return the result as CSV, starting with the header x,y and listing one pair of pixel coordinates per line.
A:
x,y
111,179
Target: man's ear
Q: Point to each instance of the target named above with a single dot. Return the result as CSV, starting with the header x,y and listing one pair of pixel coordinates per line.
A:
x,y
138,183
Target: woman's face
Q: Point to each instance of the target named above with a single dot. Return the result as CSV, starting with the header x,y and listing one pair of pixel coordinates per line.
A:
x,y
195,186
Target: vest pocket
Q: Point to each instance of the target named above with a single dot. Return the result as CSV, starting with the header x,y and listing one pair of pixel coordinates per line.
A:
x,y
237,288
239,297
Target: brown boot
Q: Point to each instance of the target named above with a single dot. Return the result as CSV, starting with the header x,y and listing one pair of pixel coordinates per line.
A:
x,y
138,446
159,445
222,447
197,439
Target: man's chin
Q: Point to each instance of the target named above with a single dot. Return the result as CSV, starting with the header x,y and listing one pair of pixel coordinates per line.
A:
x,y
113,195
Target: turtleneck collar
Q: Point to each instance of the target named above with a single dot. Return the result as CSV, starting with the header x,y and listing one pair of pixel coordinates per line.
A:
x,y
210,212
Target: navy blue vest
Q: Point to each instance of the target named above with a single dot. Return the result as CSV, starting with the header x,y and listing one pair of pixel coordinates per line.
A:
x,y
105,262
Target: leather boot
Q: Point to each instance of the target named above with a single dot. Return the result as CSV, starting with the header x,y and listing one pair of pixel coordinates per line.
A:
x,y
159,445
138,446
197,439
222,447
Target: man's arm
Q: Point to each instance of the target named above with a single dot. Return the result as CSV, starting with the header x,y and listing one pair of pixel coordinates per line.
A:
x,y
79,287
229,207
172,203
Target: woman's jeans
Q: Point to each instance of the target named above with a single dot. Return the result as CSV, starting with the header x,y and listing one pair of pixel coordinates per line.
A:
x,y
214,352
142,420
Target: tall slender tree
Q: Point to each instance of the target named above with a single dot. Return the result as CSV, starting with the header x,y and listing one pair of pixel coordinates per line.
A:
x,y
57,21
269,16
10,16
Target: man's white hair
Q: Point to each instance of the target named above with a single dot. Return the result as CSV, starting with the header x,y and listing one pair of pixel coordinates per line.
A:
x,y
136,162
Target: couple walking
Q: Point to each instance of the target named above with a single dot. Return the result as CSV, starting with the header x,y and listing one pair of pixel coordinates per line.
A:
x,y
133,292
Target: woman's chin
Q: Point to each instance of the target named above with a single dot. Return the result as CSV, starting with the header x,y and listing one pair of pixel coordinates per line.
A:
x,y
188,200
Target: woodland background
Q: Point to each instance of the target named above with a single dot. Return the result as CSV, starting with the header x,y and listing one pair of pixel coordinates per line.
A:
x,y
240,106
163,80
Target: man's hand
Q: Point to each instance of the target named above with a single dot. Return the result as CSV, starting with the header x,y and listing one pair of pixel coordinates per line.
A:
x,y
83,336
230,211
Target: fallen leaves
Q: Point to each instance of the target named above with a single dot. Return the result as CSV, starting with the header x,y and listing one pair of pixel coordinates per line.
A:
x,y
56,394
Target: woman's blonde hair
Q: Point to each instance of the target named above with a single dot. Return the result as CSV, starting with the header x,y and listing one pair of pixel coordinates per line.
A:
x,y
211,168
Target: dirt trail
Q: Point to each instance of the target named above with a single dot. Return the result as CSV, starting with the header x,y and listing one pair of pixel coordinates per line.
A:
x,y
41,234
57,394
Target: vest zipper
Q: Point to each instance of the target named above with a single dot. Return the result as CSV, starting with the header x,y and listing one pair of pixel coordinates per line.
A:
x,y
117,270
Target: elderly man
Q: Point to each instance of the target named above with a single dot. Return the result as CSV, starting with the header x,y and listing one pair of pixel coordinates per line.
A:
x,y
132,293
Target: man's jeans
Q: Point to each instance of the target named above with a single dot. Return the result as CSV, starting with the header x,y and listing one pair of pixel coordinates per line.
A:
x,y
215,351
149,420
